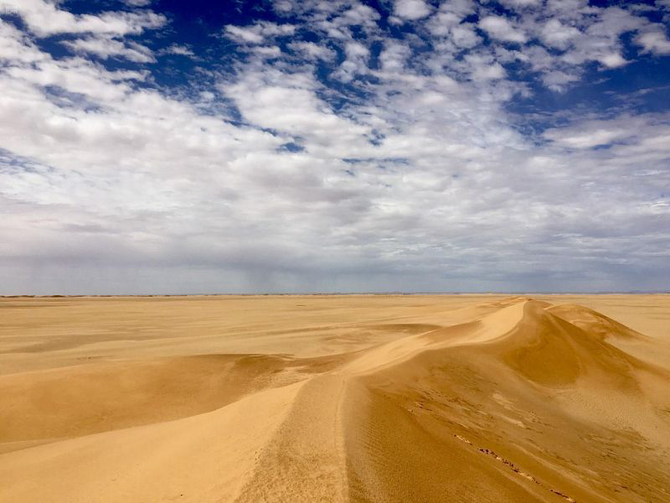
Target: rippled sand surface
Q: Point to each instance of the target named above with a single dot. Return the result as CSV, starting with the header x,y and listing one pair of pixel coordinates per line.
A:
x,y
335,398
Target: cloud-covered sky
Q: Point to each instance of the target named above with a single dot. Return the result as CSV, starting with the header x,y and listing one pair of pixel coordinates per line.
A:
x,y
343,145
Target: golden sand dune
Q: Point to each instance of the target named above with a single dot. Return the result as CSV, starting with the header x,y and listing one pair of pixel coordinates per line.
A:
x,y
378,398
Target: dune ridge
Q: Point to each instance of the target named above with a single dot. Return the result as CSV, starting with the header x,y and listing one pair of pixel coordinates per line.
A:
x,y
512,399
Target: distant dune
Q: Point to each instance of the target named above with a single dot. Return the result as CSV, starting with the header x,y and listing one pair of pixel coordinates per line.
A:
x,y
343,398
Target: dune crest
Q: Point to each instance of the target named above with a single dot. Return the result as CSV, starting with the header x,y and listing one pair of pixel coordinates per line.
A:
x,y
507,399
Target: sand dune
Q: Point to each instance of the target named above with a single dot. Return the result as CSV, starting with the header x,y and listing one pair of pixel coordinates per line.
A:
x,y
389,399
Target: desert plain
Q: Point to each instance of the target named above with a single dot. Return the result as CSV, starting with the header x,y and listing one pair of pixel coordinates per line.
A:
x,y
379,398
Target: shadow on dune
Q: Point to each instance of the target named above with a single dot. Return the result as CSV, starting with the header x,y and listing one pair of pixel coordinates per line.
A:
x,y
546,410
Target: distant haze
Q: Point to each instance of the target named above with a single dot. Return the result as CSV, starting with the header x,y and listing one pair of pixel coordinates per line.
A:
x,y
334,146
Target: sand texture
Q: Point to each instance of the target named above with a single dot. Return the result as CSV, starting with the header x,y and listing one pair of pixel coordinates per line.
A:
x,y
471,398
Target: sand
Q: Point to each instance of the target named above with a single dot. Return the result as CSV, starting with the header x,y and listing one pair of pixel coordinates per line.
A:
x,y
335,398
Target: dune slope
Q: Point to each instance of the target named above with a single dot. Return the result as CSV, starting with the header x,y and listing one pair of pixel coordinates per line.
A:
x,y
510,399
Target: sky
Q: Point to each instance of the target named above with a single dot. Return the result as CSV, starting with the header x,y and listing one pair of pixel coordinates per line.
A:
x,y
284,146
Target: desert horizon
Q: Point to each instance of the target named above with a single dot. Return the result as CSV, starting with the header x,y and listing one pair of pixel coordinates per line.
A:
x,y
367,251
335,398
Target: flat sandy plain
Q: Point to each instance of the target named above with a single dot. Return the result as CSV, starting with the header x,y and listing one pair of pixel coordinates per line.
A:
x,y
335,398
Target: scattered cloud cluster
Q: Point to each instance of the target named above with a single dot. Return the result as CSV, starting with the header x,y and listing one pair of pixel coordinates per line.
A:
x,y
411,9
45,18
335,147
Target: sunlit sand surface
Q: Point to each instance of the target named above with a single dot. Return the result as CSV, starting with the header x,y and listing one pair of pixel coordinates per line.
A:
x,y
480,398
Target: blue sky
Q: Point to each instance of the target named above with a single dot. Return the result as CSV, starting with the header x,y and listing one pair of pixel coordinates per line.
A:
x,y
320,146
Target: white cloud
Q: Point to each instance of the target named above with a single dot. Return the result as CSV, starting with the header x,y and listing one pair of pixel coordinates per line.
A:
x,y
251,35
45,18
556,34
411,9
442,22
601,38
577,34
612,60
587,137
558,80
106,47
313,51
359,15
355,62
654,40
460,7
138,3
268,51
484,68
500,28
394,56
521,4
449,16
16,47
258,33
179,50
357,50
290,105
464,36
568,8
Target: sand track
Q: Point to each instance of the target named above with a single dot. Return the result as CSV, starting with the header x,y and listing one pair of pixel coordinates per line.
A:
x,y
506,399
